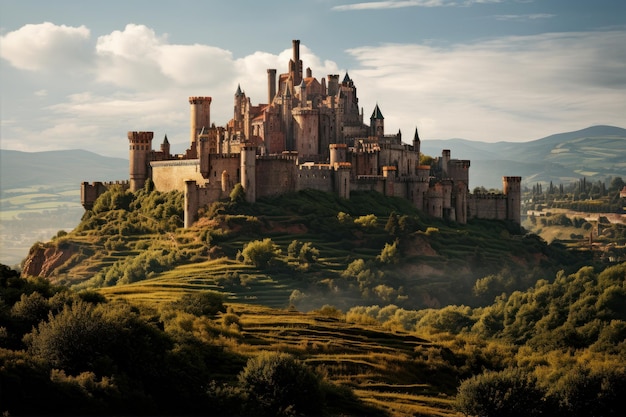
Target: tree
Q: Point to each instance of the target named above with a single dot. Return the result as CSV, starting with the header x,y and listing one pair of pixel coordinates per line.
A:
x,y
260,253
238,195
508,393
308,253
203,303
279,385
389,254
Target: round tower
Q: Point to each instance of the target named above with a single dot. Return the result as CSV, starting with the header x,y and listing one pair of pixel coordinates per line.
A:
x,y
248,172
337,153
139,158
200,118
512,188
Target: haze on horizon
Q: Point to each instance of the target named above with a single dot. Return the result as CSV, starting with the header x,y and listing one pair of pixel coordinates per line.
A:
x,y
80,75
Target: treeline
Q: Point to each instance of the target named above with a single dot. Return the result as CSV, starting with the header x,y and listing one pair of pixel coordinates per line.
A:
x,y
75,353
558,348
581,195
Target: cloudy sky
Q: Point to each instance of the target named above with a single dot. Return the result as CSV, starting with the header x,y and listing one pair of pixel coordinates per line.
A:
x,y
80,74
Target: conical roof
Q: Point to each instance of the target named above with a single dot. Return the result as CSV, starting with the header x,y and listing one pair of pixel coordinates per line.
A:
x,y
377,114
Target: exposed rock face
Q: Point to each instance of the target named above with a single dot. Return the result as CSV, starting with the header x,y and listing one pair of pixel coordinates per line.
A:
x,y
43,260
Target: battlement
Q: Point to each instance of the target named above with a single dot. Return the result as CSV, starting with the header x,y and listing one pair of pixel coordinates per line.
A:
x,y
489,196
140,137
200,100
175,162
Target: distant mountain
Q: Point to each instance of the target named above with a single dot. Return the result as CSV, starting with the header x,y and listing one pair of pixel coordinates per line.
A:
x,y
58,168
596,153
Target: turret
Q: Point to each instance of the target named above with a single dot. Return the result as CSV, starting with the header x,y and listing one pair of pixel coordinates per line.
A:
x,y
338,152
139,158
333,84
165,147
512,188
377,122
445,159
200,117
417,143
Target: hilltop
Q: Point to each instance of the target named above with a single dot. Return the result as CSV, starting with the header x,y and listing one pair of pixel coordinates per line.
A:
x,y
370,248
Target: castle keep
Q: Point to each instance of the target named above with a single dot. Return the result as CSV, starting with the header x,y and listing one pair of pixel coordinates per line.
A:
x,y
310,134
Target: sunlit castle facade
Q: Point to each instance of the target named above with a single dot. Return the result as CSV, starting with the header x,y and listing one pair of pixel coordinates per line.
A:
x,y
310,134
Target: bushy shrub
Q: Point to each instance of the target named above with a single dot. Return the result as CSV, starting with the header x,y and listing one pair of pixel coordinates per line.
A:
x,y
508,393
368,221
260,253
279,385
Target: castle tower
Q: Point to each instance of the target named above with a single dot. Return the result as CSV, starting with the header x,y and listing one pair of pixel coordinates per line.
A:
x,y
200,117
377,123
512,188
271,85
238,110
139,156
445,159
338,152
333,84
417,144
248,172
165,147
296,67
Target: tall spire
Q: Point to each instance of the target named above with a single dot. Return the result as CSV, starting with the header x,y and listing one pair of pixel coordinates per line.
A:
x,y
238,93
416,137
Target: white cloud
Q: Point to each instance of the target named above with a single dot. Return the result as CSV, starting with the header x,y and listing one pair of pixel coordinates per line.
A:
x,y
512,88
46,46
524,17
397,4
503,89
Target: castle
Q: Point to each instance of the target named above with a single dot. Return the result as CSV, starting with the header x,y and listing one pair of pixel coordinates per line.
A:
x,y
310,134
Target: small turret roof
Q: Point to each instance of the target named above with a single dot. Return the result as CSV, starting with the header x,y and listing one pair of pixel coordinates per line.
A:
x,y
377,114
347,78
417,136
165,141
238,93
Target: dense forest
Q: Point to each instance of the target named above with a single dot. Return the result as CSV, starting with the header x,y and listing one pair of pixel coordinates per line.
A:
x,y
376,310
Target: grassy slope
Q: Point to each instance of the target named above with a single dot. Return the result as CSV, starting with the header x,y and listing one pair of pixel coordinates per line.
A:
x,y
391,370
439,262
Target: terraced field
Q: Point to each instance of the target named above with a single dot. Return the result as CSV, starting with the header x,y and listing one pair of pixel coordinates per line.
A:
x,y
385,369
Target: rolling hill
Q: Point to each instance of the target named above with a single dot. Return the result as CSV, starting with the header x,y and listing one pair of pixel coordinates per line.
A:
x,y
596,153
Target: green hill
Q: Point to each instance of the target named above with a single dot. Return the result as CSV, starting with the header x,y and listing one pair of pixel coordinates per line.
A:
x,y
324,250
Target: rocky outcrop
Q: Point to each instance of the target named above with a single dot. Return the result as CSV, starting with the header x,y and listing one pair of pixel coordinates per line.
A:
x,y
44,259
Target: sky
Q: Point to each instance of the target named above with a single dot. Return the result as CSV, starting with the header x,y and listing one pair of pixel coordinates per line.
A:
x,y
78,74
